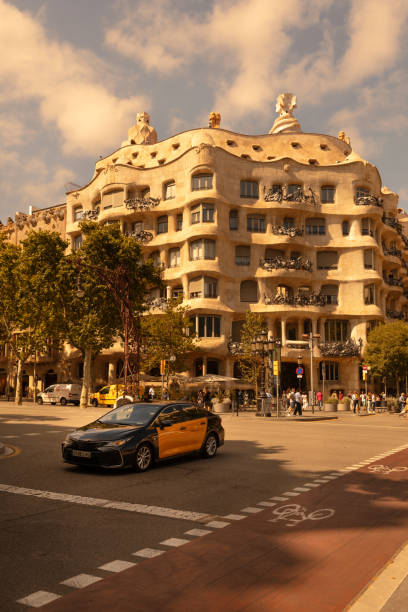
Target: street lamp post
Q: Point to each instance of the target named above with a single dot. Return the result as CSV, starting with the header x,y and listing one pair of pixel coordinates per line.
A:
x,y
267,348
311,337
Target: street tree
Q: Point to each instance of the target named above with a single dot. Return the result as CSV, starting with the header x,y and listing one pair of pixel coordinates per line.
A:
x,y
250,364
386,350
107,295
165,335
30,297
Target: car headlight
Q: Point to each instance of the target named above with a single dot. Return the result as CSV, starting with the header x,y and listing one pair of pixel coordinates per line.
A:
x,y
68,439
116,442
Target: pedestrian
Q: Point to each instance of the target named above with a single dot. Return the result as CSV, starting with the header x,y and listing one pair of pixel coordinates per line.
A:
x,y
165,394
291,402
401,402
200,400
207,399
246,400
298,404
319,397
305,404
341,395
354,399
152,394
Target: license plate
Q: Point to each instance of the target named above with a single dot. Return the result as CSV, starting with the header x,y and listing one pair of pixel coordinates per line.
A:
x,y
78,453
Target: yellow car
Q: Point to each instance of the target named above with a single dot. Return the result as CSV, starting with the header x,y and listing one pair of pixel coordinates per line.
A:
x,y
107,396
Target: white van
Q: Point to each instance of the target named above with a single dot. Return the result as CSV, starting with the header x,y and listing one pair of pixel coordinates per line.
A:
x,y
61,393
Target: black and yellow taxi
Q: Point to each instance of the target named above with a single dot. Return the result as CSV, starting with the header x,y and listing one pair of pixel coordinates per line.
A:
x,y
138,434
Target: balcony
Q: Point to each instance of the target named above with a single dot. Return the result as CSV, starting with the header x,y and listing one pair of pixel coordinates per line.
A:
x,y
285,230
301,299
283,194
287,263
367,200
350,348
391,222
394,252
91,215
393,314
142,203
142,236
394,282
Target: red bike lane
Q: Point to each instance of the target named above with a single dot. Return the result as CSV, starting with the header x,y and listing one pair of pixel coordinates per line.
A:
x,y
315,552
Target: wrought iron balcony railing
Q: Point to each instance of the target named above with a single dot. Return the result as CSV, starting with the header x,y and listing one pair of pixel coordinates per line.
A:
x,y
287,263
393,252
395,282
300,299
349,348
91,215
142,203
368,200
284,194
142,236
285,230
391,222
393,314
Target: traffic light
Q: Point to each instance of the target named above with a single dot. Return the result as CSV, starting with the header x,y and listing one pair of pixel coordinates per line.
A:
x,y
276,368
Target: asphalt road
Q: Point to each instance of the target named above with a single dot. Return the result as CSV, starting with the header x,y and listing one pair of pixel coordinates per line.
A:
x,y
46,541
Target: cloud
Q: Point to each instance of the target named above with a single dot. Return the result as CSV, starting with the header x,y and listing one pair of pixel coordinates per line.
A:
x,y
251,50
68,84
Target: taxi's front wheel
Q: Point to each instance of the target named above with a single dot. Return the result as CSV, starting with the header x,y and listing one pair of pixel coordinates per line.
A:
x,y
210,446
143,457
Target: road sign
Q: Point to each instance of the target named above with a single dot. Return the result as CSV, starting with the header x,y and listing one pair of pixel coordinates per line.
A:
x,y
299,372
365,368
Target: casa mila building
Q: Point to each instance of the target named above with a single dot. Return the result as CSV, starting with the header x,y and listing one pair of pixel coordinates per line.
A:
x,y
294,226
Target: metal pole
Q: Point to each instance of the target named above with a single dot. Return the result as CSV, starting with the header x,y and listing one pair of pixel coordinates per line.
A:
x,y
323,377
311,370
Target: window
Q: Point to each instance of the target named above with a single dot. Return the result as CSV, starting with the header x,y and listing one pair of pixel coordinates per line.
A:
x,y
329,370
111,198
330,294
202,249
77,242
233,220
170,191
294,190
315,226
179,222
249,189
369,263
272,254
369,294
291,331
155,257
210,287
367,227
174,258
327,260
136,227
195,287
362,192
249,291
295,254
236,330
284,291
163,224
177,292
78,213
345,228
256,223
327,194
336,330
202,181
213,366
288,222
206,326
204,212
242,255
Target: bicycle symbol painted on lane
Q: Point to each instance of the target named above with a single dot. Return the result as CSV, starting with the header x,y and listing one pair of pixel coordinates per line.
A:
x,y
294,514
384,469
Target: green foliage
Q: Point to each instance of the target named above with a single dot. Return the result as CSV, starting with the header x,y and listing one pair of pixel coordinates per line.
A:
x,y
250,364
387,350
167,334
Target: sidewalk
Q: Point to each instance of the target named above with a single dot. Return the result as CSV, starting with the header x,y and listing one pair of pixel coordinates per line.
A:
x,y
313,549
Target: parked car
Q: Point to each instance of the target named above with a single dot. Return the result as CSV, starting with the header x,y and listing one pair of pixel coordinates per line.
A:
x,y
61,393
107,396
138,434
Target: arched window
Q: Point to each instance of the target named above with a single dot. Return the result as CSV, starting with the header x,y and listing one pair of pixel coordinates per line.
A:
x,y
249,291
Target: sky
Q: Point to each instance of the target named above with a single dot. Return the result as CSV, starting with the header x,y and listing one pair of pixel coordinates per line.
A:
x,y
73,76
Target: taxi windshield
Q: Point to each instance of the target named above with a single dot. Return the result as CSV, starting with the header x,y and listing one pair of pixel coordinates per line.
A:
x,y
131,414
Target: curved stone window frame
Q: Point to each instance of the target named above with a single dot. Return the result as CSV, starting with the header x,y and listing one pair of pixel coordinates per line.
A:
x,y
249,291
169,190
256,224
327,194
203,248
201,181
162,224
249,189
315,226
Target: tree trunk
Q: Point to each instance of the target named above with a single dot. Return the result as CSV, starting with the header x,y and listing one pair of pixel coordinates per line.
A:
x,y
19,383
86,383
398,386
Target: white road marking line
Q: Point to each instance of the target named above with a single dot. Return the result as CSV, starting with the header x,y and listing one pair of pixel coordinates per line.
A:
x,y
330,477
116,566
311,484
9,437
55,431
80,581
217,524
174,542
148,553
267,504
109,504
38,599
291,494
279,498
31,434
198,532
251,510
320,480
234,517
336,474
301,489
